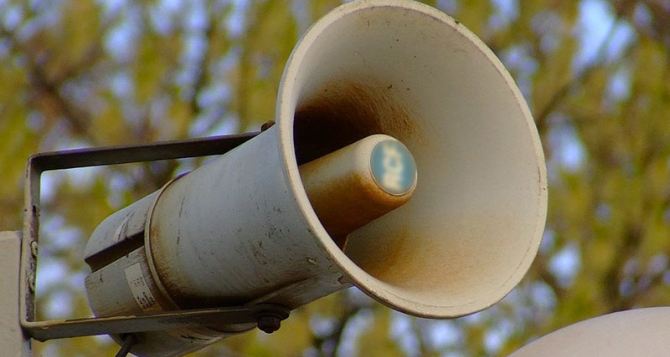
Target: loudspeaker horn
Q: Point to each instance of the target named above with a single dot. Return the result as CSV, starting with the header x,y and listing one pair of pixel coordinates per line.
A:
x,y
241,229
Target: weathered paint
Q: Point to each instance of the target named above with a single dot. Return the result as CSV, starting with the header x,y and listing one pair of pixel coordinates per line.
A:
x,y
343,111
110,246
475,220
241,228
127,287
229,232
344,191
113,233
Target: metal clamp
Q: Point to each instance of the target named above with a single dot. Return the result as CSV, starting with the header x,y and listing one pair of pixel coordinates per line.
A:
x,y
67,159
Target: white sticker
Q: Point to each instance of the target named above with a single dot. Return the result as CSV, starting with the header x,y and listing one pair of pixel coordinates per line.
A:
x,y
139,287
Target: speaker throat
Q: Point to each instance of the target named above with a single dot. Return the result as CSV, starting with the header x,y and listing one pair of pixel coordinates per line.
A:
x,y
343,112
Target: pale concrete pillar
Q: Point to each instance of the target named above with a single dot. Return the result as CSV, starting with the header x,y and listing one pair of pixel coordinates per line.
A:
x,y
12,340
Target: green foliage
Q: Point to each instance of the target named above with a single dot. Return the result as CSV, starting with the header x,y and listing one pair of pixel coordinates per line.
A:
x,y
83,73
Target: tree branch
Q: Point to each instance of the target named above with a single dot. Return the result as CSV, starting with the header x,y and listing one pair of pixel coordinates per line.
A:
x,y
333,338
204,60
581,76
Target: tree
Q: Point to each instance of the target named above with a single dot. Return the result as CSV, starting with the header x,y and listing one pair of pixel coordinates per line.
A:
x,y
596,75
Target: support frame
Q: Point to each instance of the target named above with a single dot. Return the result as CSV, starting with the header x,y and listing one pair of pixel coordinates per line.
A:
x,y
234,318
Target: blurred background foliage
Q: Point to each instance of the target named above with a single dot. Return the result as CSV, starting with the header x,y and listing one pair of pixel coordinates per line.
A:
x,y
596,74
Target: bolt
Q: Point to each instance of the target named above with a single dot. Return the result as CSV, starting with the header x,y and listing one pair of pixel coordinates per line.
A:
x,y
269,323
33,248
267,125
31,283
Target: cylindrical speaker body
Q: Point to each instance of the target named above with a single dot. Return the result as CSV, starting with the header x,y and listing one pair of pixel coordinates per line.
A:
x,y
232,231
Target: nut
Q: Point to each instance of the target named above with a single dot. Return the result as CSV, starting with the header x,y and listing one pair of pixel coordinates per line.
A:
x,y
269,323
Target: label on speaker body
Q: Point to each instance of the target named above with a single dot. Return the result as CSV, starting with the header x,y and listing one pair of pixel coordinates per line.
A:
x,y
140,288
393,167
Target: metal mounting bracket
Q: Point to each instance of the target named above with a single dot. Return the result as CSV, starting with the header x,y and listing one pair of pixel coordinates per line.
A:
x,y
267,315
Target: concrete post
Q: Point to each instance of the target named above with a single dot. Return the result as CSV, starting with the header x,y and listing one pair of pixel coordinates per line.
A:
x,y
12,340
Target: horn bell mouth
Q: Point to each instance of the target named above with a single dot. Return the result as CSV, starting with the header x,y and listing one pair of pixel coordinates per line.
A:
x,y
475,221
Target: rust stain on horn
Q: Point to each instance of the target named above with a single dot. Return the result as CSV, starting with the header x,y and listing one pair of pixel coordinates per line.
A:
x,y
344,112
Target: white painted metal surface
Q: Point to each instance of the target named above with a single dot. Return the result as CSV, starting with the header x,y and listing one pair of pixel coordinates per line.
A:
x,y
640,332
242,229
124,223
126,287
475,221
230,232
243,226
12,340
